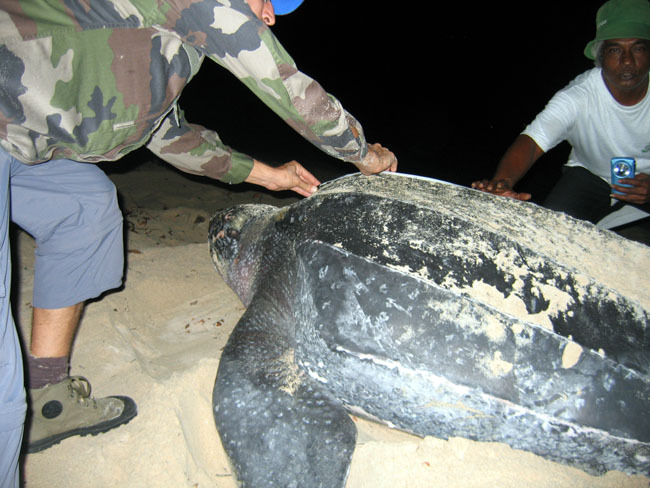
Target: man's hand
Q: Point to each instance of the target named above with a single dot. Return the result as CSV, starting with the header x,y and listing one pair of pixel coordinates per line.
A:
x,y
290,176
638,194
377,160
502,188
515,163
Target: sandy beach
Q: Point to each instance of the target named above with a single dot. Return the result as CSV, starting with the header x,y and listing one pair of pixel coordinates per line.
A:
x,y
158,340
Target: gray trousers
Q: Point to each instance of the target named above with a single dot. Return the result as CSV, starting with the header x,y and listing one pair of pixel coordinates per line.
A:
x,y
71,210
12,391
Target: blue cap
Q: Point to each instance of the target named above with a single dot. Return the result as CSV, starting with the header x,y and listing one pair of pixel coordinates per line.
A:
x,y
282,7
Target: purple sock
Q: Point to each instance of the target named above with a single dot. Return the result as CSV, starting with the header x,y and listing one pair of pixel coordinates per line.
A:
x,y
46,371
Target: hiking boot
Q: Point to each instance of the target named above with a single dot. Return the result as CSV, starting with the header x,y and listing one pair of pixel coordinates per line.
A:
x,y
66,408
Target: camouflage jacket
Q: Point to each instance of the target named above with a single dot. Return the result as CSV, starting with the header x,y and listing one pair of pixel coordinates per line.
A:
x,y
91,80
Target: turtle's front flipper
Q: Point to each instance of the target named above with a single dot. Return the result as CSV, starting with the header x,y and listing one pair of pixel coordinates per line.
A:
x,y
278,426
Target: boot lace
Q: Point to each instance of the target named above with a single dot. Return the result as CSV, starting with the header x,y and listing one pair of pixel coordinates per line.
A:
x,y
80,390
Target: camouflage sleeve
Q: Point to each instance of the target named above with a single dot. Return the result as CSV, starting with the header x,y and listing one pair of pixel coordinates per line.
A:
x,y
230,35
197,150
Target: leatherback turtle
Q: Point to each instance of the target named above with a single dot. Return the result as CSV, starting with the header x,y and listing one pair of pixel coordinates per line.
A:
x,y
438,310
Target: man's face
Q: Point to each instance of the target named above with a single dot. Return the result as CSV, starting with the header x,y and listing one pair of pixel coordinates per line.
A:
x,y
263,9
626,63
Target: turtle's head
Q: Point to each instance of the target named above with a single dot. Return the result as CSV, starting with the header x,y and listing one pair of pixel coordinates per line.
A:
x,y
232,237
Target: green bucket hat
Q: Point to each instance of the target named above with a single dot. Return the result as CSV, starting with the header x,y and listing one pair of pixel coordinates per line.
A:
x,y
621,19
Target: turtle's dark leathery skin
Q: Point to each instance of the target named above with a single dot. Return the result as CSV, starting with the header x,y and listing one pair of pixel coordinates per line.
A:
x,y
436,309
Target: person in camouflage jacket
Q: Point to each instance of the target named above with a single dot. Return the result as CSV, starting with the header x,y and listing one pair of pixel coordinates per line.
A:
x,y
93,83
92,80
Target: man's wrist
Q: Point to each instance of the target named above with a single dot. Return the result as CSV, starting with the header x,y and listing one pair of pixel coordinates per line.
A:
x,y
260,174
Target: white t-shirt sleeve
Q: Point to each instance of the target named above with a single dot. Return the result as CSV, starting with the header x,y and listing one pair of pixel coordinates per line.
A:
x,y
553,124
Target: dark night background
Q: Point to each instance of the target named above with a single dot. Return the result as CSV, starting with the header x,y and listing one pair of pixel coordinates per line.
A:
x,y
447,88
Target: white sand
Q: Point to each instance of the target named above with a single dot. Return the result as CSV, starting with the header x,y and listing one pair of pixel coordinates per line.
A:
x,y
158,340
